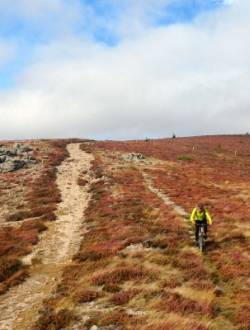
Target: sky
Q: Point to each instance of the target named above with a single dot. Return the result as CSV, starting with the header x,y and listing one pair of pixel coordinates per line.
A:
x,y
124,69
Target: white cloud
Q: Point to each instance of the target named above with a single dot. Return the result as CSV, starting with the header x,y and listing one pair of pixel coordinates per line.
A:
x,y
190,79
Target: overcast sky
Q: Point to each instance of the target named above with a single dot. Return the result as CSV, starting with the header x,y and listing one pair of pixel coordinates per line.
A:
x,y
122,69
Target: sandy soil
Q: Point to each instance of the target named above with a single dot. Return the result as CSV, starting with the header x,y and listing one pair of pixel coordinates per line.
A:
x,y
19,307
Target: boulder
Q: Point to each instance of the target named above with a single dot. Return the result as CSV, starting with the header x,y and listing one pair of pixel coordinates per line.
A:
x,y
134,157
16,158
2,159
3,151
12,165
24,148
18,164
11,152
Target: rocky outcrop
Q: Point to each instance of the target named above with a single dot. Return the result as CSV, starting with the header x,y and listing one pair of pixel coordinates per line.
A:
x,y
133,157
13,159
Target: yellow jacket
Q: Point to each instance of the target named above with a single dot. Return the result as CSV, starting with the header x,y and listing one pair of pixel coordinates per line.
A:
x,y
197,215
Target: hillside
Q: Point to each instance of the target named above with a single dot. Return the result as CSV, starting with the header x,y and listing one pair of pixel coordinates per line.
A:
x,y
95,234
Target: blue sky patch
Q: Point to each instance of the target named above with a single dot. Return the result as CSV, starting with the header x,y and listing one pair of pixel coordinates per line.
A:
x,y
185,11
101,24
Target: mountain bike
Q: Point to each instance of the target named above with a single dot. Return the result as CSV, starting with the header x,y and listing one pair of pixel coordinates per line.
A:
x,y
201,237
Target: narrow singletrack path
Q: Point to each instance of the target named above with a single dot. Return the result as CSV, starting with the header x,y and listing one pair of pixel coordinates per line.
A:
x,y
20,305
184,215
166,199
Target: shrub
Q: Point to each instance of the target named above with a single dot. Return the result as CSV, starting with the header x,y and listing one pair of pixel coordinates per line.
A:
x,y
18,216
201,285
174,302
117,318
82,182
118,276
243,317
98,252
123,297
161,326
218,148
191,266
167,242
17,278
29,236
8,266
37,225
171,283
87,296
55,321
109,287
184,157
198,326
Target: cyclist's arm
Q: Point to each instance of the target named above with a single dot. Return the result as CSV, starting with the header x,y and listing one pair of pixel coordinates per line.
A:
x,y
192,217
209,219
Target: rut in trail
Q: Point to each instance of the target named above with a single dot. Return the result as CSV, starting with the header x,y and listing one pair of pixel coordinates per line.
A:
x,y
19,307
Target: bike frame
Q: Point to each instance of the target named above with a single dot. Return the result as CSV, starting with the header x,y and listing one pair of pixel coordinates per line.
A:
x,y
201,237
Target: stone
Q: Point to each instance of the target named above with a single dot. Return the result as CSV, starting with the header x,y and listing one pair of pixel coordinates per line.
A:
x,y
3,151
12,165
134,157
24,148
218,291
18,164
2,159
16,158
148,243
94,327
11,152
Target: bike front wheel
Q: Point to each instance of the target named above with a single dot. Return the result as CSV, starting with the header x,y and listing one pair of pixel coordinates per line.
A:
x,y
201,243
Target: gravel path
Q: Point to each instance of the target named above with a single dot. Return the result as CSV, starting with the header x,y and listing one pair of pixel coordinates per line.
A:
x,y
19,306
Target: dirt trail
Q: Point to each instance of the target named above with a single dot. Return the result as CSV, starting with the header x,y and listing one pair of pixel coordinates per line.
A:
x,y
19,307
166,199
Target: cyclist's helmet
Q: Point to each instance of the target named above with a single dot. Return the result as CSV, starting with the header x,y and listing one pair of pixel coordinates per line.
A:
x,y
200,206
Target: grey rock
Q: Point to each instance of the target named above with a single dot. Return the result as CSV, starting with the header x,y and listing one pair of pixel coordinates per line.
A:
x,y
32,158
2,159
11,152
3,151
12,165
18,164
24,148
148,243
16,158
134,157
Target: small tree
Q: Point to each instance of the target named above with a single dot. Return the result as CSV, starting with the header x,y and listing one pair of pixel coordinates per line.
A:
x,y
173,136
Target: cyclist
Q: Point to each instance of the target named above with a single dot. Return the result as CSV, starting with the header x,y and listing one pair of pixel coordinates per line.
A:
x,y
198,216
